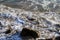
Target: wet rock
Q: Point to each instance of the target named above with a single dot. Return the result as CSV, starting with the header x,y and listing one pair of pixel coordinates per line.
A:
x,y
49,39
35,22
57,38
57,25
8,31
31,19
27,32
0,23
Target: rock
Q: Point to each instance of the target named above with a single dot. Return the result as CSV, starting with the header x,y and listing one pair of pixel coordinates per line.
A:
x,y
27,32
57,25
49,39
30,19
1,24
57,38
46,39
8,31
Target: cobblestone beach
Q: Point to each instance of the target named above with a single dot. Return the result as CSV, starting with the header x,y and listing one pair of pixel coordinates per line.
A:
x,y
29,20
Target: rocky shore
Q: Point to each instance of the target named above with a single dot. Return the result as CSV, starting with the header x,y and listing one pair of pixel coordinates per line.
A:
x,y
29,20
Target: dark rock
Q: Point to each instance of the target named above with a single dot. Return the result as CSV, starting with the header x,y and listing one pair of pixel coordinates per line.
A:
x,y
29,33
31,19
8,31
50,30
49,39
57,38
57,25
1,24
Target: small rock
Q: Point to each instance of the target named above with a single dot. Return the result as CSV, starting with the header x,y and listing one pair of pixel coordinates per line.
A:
x,y
31,19
36,22
49,39
27,32
8,31
1,25
57,25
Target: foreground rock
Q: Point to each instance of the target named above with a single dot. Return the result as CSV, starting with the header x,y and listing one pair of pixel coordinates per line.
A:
x,y
57,38
29,33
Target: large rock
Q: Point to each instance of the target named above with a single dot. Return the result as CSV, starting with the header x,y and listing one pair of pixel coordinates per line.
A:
x,y
57,38
29,33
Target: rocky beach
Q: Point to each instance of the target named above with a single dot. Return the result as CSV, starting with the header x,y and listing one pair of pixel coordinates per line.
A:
x,y
29,19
